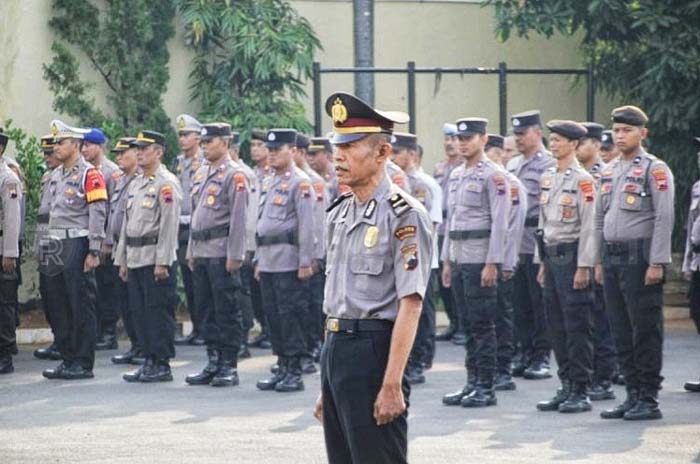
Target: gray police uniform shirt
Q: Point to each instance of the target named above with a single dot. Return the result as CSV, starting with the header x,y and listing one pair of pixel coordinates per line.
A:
x,y
251,212
117,207
516,221
10,211
378,253
420,190
185,168
332,184
320,204
691,259
596,170
286,211
152,210
397,176
219,201
42,214
529,171
479,200
17,169
636,202
111,174
441,174
567,211
435,211
79,202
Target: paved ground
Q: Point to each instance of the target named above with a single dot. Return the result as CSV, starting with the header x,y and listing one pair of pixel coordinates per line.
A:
x,y
106,420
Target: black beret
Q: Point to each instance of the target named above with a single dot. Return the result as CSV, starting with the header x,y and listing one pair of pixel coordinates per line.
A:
x,y
235,138
572,130
258,134
607,139
595,130
404,140
471,126
277,137
522,121
215,129
3,139
495,140
302,141
147,137
630,115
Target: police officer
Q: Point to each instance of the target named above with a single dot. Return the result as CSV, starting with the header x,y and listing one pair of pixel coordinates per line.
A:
x,y
528,166
474,249
72,252
405,148
285,242
691,259
378,267
636,220
608,150
505,331
215,253
10,204
188,162
604,356
42,225
126,155
106,274
313,323
146,254
318,155
567,251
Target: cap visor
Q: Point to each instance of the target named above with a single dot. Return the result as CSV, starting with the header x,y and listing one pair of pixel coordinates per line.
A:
x,y
141,143
338,139
274,145
468,133
520,129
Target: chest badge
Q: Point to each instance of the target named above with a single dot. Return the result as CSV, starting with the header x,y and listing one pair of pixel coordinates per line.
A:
x,y
629,199
211,200
371,237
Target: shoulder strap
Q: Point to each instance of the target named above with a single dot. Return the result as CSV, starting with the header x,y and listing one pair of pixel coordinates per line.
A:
x,y
338,201
398,204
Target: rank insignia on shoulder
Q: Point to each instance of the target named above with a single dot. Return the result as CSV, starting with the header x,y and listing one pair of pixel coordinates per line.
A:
x,y
398,204
341,198
371,206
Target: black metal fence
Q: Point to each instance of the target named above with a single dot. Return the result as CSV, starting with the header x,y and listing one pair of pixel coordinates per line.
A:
x,y
502,72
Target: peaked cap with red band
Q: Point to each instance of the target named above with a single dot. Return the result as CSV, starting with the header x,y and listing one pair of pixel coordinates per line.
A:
x,y
354,119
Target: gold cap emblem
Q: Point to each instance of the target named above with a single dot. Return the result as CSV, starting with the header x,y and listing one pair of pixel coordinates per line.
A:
x,y
339,112
181,123
54,130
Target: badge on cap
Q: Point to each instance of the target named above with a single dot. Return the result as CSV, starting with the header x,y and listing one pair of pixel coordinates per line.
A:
x,y
516,122
204,131
181,123
371,237
339,112
462,126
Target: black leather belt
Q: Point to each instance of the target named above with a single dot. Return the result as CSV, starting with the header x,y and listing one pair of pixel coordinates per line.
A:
x,y
334,324
210,234
561,249
624,248
469,234
696,248
184,227
42,218
115,238
289,238
532,222
141,241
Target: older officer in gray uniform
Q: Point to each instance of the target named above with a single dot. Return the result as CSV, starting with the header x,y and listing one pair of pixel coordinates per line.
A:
x,y
215,252
567,251
285,240
72,252
379,246
635,218
473,252
529,166
10,203
691,259
188,162
146,254
505,329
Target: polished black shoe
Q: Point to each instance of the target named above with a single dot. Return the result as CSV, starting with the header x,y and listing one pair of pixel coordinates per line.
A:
x,y
261,341
270,383
124,358
291,383
559,397
518,369
446,335
618,379
244,352
618,412
226,376
459,338
538,370
455,398
307,366
135,376
644,410
480,397
576,402
160,372
692,386
504,382
275,368
193,339
76,372
601,391
414,375
55,372
107,342
6,366
139,359
207,374
50,352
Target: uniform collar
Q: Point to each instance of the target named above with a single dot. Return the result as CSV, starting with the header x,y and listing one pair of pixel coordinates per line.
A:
x,y
368,211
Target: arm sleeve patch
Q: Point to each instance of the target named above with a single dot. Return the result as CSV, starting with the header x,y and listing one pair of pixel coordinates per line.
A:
x,y
95,189
239,181
586,187
305,189
166,193
660,178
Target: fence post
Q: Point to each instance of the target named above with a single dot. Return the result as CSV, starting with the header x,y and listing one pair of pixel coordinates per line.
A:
x,y
503,97
317,98
411,77
590,97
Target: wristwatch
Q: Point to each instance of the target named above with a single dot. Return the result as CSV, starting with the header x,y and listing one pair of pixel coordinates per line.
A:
x,y
94,253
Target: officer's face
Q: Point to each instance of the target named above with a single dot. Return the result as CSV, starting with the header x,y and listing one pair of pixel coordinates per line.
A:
x,y
317,160
587,150
628,138
148,156
451,150
472,145
258,151
214,148
529,140
92,151
188,140
560,146
608,154
300,156
402,157
50,160
495,154
281,157
357,163
65,149
127,159
509,149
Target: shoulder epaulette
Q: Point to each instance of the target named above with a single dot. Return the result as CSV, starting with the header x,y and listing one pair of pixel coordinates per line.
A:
x,y
398,204
339,200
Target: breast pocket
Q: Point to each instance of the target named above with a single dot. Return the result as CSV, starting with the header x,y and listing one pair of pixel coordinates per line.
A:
x,y
365,270
568,208
532,185
278,206
631,198
214,198
472,195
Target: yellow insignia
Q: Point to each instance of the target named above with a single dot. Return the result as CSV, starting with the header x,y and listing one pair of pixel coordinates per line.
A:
x,y
566,200
547,182
54,130
147,204
371,237
339,112
75,177
152,190
630,199
140,136
211,200
181,123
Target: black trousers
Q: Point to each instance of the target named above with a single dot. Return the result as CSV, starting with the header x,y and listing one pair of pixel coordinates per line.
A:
x,y
352,371
45,301
9,284
694,295
479,306
127,314
604,355
106,277
258,309
505,342
187,283
284,298
570,319
71,297
215,297
448,298
423,350
245,300
529,312
314,318
636,317
151,301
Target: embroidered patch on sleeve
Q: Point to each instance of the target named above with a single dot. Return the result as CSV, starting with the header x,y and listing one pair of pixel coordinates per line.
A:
x,y
402,233
166,193
586,187
660,179
95,189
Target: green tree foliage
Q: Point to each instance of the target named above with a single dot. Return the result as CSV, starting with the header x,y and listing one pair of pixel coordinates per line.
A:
x,y
126,43
251,57
645,52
